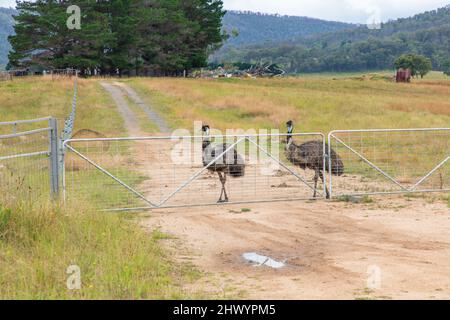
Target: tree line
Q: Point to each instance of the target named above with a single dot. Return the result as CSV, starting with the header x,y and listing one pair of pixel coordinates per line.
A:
x,y
136,37
357,49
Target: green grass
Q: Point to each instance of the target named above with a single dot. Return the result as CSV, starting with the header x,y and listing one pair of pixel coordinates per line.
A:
x,y
35,97
144,122
101,191
448,201
316,104
38,242
379,74
97,111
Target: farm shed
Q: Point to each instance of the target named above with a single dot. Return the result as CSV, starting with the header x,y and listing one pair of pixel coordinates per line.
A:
x,y
403,75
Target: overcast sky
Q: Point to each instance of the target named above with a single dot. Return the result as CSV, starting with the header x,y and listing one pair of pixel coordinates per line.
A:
x,y
359,11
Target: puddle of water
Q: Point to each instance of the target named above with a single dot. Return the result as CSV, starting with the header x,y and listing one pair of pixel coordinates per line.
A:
x,y
260,260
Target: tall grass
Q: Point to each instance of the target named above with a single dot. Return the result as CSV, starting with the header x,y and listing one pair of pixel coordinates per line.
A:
x,y
316,103
39,241
34,97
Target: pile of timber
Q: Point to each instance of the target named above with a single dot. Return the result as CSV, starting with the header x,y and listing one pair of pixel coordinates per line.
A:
x,y
265,70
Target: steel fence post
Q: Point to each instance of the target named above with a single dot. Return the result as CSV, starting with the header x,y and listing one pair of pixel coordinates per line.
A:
x,y
54,158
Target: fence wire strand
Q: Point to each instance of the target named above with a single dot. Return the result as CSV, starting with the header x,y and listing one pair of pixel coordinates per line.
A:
x,y
24,162
170,174
391,161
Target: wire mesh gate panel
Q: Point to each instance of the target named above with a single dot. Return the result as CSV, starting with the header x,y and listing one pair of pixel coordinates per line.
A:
x,y
161,172
391,161
28,159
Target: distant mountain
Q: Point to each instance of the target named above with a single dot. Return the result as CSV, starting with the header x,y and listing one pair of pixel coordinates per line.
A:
x,y
6,29
253,28
256,28
354,49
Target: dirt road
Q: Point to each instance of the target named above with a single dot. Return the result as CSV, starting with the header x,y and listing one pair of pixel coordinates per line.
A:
x,y
118,92
398,247
393,248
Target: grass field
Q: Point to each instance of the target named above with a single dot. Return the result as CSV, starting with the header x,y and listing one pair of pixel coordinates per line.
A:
x,y
39,241
316,103
30,98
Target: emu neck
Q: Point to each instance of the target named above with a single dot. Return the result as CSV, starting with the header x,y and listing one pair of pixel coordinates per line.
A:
x,y
290,142
205,144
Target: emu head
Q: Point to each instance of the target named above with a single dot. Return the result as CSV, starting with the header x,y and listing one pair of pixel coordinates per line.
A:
x,y
290,126
206,136
206,129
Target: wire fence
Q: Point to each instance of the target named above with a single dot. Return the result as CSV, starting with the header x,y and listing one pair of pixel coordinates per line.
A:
x,y
392,161
26,162
70,120
157,172
31,157
63,73
5,76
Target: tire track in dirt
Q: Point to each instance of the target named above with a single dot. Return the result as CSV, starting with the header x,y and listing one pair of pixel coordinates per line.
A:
x,y
118,92
153,116
129,117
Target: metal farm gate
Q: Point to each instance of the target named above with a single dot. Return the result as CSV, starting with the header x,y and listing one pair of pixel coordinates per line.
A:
x,y
163,172
391,161
29,166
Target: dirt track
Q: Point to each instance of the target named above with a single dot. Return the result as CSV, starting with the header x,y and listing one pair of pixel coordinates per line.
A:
x,y
328,247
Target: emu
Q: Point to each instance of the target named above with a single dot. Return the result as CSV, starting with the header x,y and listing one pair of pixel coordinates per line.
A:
x,y
231,164
309,155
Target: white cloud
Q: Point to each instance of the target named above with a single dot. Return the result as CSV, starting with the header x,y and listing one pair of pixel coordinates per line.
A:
x,y
7,3
341,10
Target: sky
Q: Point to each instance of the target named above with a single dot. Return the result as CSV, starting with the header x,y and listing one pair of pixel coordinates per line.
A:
x,y
357,11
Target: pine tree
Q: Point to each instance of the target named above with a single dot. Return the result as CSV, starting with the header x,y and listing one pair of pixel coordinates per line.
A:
x,y
43,38
162,37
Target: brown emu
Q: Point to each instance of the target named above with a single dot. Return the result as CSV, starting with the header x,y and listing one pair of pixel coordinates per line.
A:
x,y
231,163
309,155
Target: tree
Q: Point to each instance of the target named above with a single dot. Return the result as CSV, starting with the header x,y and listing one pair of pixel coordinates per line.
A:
x,y
133,36
446,66
42,37
419,65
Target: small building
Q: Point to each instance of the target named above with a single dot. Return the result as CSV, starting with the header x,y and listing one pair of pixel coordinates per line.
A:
x,y
403,75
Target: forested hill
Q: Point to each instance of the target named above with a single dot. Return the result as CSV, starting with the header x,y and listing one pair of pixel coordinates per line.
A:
x,y
356,49
6,29
256,28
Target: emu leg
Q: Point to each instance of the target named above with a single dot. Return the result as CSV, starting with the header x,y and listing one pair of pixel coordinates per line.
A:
x,y
223,192
224,187
316,179
326,188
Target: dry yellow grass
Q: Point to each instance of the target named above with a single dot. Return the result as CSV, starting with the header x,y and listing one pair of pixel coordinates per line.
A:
x,y
317,104
39,240
34,97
